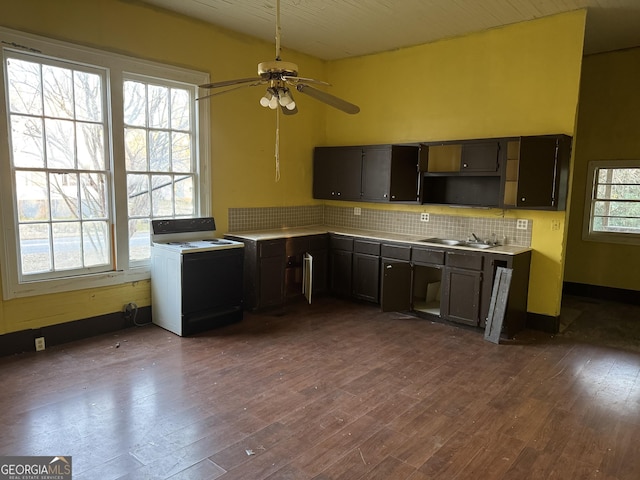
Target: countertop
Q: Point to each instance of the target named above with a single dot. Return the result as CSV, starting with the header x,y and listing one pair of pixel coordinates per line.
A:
x,y
382,236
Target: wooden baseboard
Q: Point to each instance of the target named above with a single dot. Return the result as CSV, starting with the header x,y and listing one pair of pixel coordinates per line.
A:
x,y
24,340
544,323
604,293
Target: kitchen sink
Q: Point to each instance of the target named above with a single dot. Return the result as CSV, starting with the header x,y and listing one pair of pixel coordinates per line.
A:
x,y
458,243
479,245
443,241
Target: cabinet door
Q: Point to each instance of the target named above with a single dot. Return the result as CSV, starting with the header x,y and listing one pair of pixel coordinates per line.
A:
x,y
337,173
366,274
271,281
395,286
319,272
480,157
405,174
543,172
340,272
460,300
376,173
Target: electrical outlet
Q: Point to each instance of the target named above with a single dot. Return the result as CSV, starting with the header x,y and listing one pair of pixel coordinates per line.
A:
x,y
522,224
424,217
555,224
39,344
357,211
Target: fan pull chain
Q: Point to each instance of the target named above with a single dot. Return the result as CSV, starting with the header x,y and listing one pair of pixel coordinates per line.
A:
x,y
277,145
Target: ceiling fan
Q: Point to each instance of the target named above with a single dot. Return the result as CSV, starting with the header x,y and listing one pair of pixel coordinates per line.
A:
x,y
281,78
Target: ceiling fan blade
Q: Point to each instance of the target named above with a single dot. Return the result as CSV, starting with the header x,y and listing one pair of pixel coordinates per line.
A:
x,y
294,80
229,90
228,83
327,98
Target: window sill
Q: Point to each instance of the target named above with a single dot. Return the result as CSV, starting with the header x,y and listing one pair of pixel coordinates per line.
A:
x,y
45,287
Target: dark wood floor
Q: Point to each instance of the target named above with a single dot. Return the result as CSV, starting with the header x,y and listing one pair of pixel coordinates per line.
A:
x,y
333,391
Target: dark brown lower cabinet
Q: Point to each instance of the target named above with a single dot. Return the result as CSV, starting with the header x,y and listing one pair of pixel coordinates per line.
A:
x,y
461,287
460,300
395,285
273,268
366,270
366,277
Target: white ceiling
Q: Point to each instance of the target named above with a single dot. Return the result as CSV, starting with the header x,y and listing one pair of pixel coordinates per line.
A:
x,y
332,29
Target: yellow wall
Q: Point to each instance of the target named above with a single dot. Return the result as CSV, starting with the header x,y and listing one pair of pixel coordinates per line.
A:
x,y
242,132
607,129
516,80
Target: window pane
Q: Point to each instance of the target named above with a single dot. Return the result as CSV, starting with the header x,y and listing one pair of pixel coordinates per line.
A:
x,y
158,107
626,175
181,152
57,88
135,144
135,104
88,93
64,196
32,196
622,192
90,146
35,248
96,243
138,194
162,195
24,87
93,195
159,159
139,240
180,111
184,196
26,140
60,140
67,247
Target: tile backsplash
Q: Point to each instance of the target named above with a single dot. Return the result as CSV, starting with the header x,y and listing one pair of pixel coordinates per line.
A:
x,y
391,221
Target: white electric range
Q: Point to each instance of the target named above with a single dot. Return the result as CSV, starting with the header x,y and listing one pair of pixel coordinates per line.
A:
x,y
196,278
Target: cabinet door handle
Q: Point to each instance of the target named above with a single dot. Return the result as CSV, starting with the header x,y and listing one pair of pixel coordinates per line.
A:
x,y
388,266
465,165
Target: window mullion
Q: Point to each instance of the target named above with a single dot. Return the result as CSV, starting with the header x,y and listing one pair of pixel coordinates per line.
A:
x,y
119,204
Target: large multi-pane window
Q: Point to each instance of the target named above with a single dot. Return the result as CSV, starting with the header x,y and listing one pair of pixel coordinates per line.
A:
x,y
158,140
57,127
98,146
613,202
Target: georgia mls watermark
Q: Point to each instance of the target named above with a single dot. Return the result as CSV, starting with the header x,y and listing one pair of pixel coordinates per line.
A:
x,y
35,468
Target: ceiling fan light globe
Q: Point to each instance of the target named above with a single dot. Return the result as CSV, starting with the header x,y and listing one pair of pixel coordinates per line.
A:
x,y
291,105
273,103
264,101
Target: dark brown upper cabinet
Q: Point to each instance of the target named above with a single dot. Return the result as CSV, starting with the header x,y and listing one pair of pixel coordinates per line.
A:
x,y
374,173
337,172
537,172
517,172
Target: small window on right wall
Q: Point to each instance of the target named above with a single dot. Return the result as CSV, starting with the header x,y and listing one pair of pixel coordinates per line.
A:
x,y
612,206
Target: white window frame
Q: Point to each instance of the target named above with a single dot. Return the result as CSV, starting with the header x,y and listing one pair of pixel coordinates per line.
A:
x,y
117,67
588,234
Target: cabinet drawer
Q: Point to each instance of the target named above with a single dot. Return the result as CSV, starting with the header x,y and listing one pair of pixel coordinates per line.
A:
x,y
427,255
464,260
271,248
342,243
397,252
366,246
